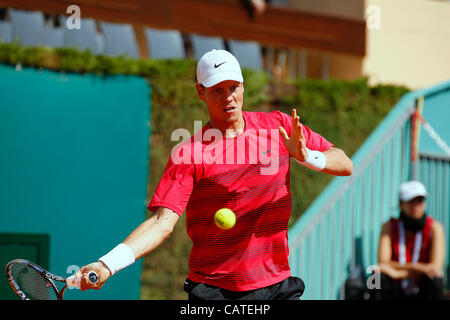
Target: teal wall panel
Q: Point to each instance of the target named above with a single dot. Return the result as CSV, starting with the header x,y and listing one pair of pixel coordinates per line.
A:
x,y
436,113
434,172
74,164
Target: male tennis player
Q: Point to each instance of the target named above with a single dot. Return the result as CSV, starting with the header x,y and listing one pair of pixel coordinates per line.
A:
x,y
249,261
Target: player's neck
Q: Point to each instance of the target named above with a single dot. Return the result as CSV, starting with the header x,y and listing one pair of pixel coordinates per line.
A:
x,y
231,129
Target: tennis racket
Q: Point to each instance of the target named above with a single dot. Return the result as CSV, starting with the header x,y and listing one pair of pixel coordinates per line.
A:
x,y
32,282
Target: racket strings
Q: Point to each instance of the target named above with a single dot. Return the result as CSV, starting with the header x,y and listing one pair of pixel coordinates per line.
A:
x,y
31,283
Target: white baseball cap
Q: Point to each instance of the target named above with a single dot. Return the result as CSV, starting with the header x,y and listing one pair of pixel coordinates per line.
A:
x,y
216,66
410,190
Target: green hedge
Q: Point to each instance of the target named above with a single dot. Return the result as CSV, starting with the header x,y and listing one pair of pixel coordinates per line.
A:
x,y
344,112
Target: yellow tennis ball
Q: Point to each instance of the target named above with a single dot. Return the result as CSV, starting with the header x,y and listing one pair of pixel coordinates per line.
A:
x,y
225,219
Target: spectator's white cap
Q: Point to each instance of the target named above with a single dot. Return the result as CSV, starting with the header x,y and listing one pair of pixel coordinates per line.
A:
x,y
410,190
216,66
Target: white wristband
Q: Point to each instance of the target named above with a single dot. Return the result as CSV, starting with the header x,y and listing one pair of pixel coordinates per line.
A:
x,y
118,258
316,160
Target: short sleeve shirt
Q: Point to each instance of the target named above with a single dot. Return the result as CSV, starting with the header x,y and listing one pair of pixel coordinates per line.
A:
x,y
248,174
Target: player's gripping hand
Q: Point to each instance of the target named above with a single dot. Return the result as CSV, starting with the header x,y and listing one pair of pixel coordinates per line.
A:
x,y
295,144
102,272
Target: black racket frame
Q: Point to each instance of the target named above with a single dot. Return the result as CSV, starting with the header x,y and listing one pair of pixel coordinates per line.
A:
x,y
48,276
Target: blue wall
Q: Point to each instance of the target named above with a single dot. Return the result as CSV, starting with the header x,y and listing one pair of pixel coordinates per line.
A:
x,y
74,164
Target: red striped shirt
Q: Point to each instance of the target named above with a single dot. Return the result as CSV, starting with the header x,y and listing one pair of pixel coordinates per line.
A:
x,y
254,253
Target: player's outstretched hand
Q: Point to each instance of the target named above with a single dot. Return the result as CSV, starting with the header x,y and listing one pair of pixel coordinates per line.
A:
x,y
296,144
102,272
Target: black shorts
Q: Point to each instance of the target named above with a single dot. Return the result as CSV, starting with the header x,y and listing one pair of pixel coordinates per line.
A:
x,y
289,289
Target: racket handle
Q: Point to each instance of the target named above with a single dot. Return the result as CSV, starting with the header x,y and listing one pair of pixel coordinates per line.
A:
x,y
75,280
93,277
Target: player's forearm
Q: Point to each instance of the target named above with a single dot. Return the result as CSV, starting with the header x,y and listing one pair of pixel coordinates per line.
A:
x,y
337,164
152,232
146,237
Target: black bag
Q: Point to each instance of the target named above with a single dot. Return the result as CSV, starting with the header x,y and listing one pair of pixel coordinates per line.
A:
x,y
355,285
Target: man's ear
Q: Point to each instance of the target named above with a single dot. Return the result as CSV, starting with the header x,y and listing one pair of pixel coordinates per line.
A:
x,y
200,91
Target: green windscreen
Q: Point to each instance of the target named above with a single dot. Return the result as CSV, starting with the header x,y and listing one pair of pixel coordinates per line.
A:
x,y
32,247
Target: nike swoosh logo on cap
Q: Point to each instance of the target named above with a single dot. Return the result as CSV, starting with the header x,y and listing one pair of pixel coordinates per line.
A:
x,y
218,65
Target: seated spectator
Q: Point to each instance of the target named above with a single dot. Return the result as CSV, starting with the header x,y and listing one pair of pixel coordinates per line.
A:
x,y
411,250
